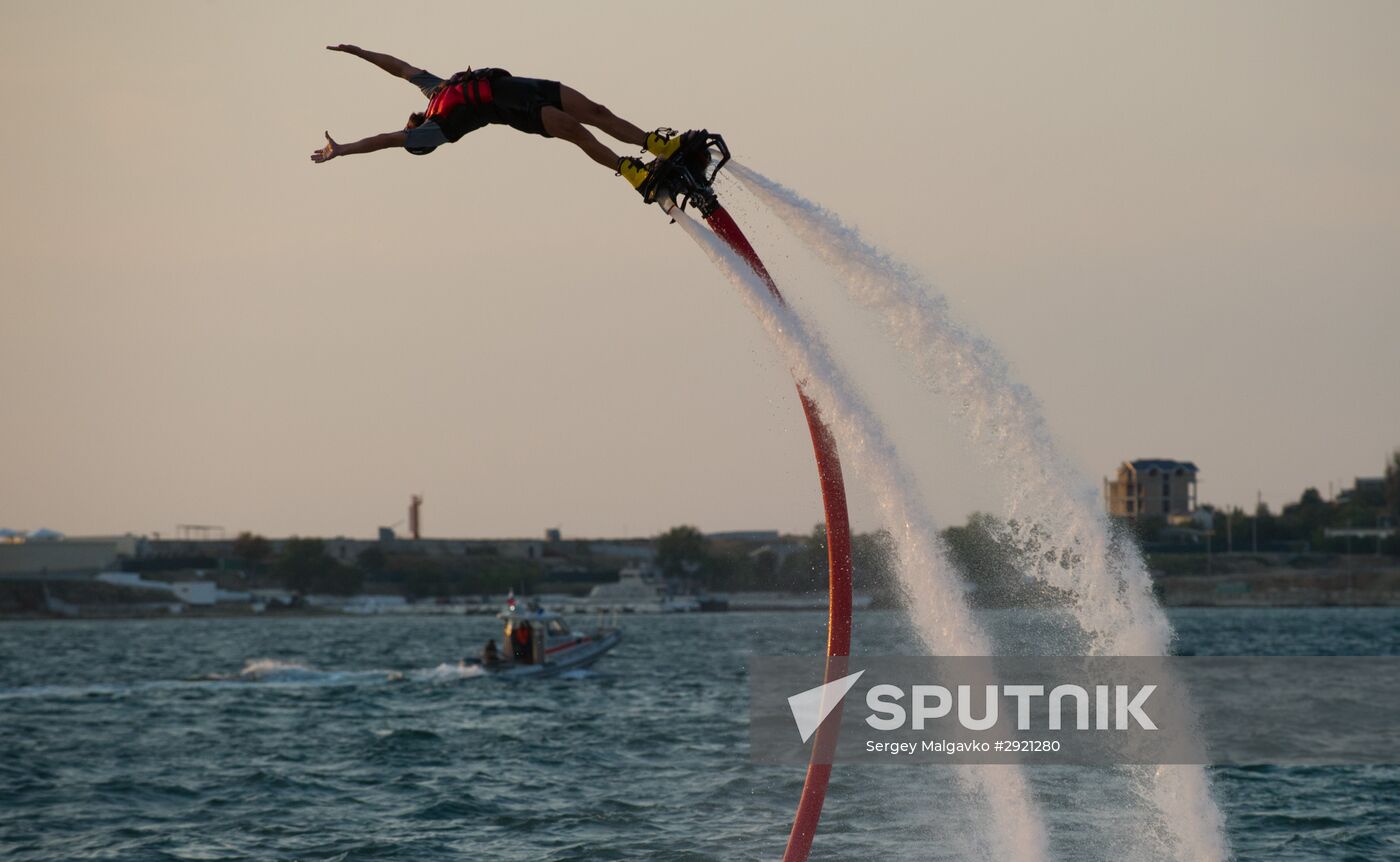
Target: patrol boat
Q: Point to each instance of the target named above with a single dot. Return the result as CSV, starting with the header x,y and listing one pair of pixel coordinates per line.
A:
x,y
537,642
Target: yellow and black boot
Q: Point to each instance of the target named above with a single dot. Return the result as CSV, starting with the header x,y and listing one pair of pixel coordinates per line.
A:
x,y
663,143
634,172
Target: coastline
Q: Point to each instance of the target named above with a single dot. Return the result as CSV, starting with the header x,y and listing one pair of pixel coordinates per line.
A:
x,y
1274,588
1283,588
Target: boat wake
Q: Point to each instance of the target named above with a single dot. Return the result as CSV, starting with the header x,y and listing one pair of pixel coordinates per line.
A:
x,y
278,672
447,673
255,672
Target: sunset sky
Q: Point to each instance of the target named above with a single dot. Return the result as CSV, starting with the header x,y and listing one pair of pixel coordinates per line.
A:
x,y
1179,222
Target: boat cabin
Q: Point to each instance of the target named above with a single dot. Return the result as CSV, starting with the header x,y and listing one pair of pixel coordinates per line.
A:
x,y
531,635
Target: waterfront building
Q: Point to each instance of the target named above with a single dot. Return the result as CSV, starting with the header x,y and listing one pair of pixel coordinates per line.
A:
x,y
1151,487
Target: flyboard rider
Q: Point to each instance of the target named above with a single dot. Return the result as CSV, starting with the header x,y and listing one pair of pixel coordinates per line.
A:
x,y
475,98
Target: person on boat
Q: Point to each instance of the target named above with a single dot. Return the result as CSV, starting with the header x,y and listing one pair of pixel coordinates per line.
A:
x,y
478,97
490,654
522,643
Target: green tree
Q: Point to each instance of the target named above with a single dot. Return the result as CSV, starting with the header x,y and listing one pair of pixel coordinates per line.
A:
x,y
683,552
816,545
875,559
422,584
1148,528
371,559
305,567
1392,487
1305,519
765,568
252,550
981,553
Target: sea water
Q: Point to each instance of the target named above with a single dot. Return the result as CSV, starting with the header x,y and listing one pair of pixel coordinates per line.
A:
x,y
341,738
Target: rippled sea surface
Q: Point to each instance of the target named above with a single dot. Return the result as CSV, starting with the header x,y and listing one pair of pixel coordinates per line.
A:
x,y
344,738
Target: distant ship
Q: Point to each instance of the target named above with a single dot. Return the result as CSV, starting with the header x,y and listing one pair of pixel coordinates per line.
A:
x,y
641,589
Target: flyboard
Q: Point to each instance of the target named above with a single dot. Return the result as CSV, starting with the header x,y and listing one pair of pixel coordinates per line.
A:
x,y
687,179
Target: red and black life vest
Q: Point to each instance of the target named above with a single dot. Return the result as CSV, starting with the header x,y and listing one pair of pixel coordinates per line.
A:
x,y
464,102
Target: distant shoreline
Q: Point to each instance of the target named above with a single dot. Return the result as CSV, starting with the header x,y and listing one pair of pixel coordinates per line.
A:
x,y
1283,588
1373,584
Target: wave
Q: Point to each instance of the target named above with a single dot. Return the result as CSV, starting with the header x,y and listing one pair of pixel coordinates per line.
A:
x,y
255,672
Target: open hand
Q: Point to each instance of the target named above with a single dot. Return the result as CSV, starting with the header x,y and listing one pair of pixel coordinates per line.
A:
x,y
328,152
348,49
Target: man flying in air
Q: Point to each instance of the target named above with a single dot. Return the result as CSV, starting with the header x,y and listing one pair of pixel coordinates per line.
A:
x,y
472,99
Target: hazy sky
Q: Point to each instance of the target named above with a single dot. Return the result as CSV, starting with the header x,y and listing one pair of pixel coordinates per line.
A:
x,y
1180,223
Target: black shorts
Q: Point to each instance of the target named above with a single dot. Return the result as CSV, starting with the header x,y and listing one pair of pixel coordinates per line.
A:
x,y
519,101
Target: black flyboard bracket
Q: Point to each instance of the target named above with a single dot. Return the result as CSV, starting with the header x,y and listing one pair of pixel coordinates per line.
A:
x,y
688,176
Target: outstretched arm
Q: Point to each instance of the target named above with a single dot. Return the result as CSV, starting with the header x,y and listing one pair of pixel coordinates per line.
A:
x,y
364,145
392,65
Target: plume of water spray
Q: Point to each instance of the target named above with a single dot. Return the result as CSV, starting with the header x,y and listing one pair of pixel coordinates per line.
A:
x,y
1054,515
940,612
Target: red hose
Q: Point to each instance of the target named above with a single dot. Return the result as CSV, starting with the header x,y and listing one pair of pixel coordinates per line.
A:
x,y
838,550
